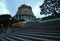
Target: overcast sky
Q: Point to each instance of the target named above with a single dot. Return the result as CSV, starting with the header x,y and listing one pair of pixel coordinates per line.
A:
x,y
11,6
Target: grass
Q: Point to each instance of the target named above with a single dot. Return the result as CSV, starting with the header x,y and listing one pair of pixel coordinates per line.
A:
x,y
51,17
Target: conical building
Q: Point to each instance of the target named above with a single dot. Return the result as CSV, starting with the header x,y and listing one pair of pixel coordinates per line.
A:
x,y
25,12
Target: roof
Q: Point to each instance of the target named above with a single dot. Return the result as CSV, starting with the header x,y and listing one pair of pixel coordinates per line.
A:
x,y
23,11
24,6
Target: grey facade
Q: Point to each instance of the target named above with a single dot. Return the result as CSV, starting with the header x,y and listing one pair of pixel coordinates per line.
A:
x,y
25,12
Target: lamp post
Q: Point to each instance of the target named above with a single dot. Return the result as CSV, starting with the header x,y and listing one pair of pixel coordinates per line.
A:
x,y
2,28
9,30
3,31
9,22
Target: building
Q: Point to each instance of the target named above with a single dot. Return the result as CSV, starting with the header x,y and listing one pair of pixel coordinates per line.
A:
x,y
50,7
25,12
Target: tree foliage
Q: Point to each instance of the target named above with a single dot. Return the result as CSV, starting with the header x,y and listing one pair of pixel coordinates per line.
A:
x,y
4,19
50,7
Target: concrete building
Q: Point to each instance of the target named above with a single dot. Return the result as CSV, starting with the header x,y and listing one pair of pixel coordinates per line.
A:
x,y
25,12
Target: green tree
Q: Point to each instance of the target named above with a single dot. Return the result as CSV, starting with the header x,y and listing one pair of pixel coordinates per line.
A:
x,y
50,7
5,20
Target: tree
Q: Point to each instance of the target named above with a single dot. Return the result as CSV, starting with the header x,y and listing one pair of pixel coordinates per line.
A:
x,y
4,19
50,7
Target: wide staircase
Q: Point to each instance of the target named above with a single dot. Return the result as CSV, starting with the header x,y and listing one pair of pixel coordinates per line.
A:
x,y
44,31
33,34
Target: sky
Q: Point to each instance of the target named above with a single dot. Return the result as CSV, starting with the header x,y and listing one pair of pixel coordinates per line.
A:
x,y
11,6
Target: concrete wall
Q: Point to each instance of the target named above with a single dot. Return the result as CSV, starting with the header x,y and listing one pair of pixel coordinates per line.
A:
x,y
52,26
47,24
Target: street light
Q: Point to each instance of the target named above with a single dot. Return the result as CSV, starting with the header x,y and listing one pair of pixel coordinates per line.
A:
x,y
2,28
9,30
9,22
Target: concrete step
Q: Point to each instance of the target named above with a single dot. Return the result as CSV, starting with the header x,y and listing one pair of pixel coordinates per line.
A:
x,y
42,38
41,35
0,40
9,38
41,30
3,39
18,38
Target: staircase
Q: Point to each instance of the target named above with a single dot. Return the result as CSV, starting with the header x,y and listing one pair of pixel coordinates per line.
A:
x,y
45,31
33,34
